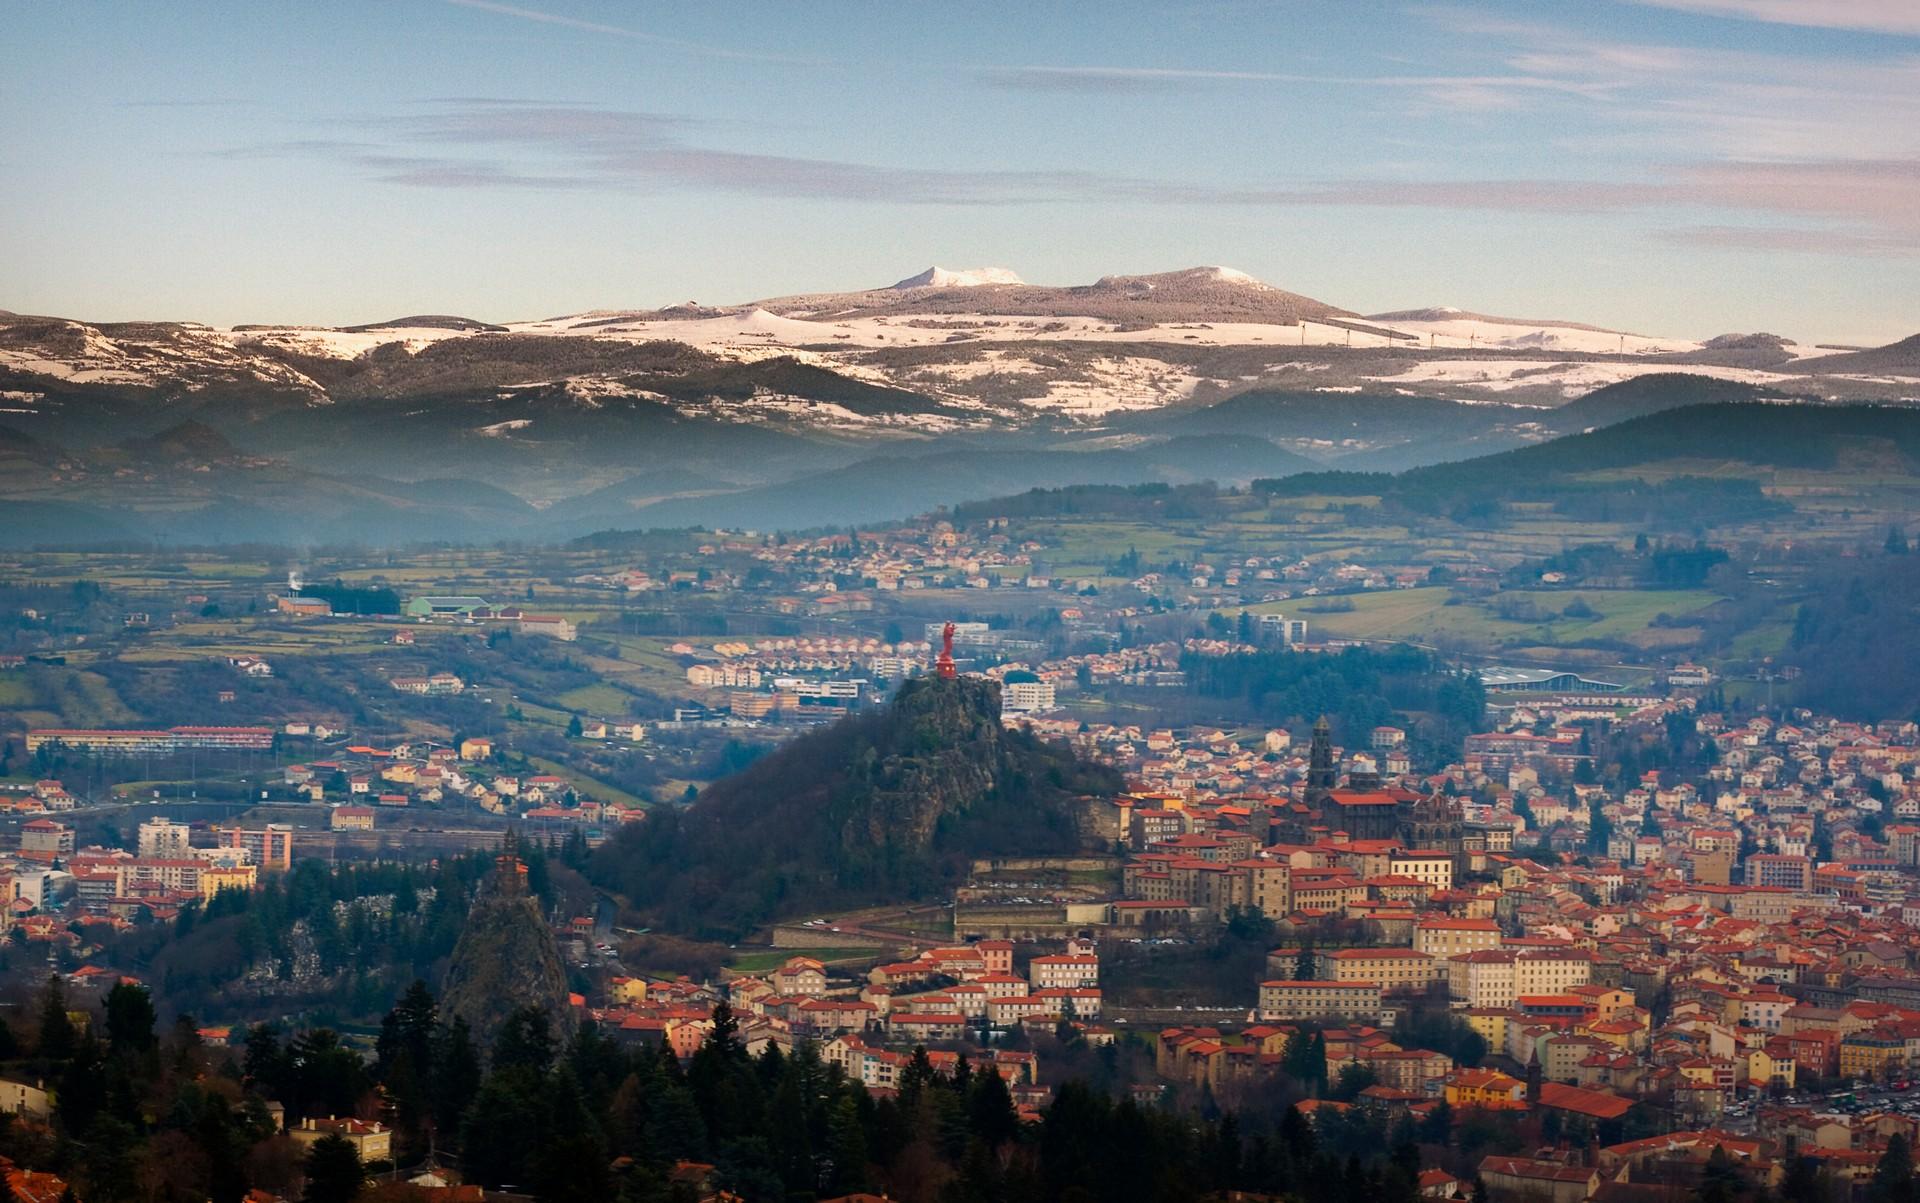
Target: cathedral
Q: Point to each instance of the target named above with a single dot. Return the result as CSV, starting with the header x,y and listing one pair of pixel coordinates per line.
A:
x,y
1365,809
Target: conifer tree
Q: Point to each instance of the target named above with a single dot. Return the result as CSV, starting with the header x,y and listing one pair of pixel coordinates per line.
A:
x,y
334,1173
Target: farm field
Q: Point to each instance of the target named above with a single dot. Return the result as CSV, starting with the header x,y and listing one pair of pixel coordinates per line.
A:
x,y
1432,613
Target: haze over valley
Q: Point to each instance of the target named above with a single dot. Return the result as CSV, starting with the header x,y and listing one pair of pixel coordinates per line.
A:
x,y
725,414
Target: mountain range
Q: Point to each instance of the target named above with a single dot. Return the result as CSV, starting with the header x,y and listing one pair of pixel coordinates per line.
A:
x,y
831,407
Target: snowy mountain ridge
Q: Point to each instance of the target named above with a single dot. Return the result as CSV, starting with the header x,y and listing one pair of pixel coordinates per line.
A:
x,y
976,348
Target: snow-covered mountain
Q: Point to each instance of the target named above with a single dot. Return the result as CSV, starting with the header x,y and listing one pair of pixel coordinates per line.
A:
x,y
939,351
947,386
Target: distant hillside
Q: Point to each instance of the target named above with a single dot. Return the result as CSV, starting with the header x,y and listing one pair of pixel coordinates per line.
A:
x,y
188,440
1856,641
1373,430
1194,294
1758,433
1761,435
1445,313
885,806
1648,395
428,321
188,484
1333,417
20,444
1382,429
1901,357
895,486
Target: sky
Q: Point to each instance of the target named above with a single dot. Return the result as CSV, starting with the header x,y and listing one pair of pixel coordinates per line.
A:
x,y
1675,167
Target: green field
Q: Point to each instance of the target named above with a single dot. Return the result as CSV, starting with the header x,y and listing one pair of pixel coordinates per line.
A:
x,y
1424,615
14,693
600,700
81,699
765,961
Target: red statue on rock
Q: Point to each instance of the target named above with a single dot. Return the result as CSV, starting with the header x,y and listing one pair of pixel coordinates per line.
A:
x,y
944,665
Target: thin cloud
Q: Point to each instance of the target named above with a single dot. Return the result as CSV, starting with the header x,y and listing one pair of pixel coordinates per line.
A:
x,y
223,102
1786,239
1044,78
1687,101
1862,202
1873,16
1100,78
545,146
1884,193
563,21
503,101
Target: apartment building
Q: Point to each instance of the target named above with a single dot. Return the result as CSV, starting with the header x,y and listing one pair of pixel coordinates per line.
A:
x,y
1443,937
1319,1000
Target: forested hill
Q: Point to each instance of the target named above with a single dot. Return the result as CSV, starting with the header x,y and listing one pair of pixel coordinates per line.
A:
x,y
1693,459
1767,435
884,806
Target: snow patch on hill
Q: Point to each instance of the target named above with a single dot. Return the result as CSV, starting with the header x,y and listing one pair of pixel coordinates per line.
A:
x,y
1571,379
1437,329
335,344
1229,275
972,277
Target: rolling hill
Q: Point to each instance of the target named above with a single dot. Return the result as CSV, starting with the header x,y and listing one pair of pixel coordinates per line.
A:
x,y
1900,358
1678,469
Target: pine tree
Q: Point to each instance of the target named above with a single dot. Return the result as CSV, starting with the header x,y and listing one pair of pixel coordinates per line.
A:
x,y
334,1174
56,1030
848,1171
990,1110
410,1027
1802,1182
917,1076
570,1165
1893,1176
130,1019
455,1077
1296,1056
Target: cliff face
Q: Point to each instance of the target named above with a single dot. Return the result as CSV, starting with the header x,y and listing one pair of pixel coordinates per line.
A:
x,y
506,959
945,753
885,806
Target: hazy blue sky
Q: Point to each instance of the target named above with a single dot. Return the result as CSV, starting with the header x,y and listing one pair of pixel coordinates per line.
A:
x,y
1669,166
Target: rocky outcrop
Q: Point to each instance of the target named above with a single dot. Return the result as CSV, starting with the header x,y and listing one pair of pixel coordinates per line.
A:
x,y
884,807
506,959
